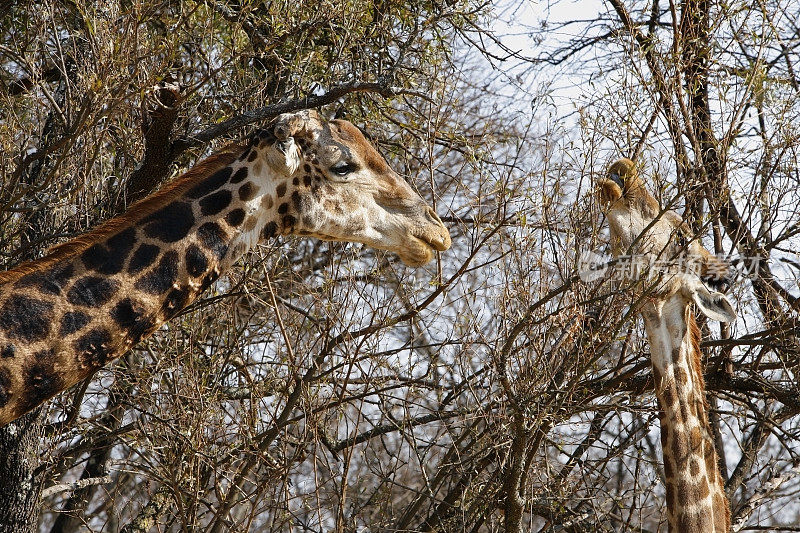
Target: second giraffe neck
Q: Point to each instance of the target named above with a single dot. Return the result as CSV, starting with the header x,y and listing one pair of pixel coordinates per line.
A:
x,y
696,499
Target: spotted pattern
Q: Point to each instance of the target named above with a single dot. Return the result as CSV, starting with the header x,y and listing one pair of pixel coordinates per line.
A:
x,y
8,351
176,300
109,258
247,191
73,321
143,257
269,231
143,275
41,379
50,281
690,467
215,202
196,261
239,175
125,315
171,223
213,238
5,386
26,319
161,278
235,217
297,201
131,317
210,184
93,348
92,291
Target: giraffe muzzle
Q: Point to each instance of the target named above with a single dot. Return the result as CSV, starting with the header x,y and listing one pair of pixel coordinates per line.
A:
x,y
438,237
425,240
438,243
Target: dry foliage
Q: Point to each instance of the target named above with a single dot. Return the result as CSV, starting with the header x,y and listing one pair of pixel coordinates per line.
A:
x,y
326,387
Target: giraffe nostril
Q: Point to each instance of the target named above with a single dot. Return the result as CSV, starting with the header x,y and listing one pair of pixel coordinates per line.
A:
x,y
432,216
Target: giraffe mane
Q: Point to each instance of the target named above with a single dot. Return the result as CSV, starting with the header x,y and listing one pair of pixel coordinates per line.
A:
x,y
694,337
140,209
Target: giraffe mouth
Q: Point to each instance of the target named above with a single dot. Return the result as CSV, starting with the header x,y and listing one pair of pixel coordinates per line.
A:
x,y
433,233
422,248
608,191
437,244
420,253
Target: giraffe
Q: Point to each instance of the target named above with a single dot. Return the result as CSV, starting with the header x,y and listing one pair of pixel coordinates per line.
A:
x,y
89,300
696,500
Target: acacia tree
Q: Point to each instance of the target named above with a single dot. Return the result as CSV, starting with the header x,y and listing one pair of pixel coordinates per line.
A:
x,y
705,96
325,387
102,103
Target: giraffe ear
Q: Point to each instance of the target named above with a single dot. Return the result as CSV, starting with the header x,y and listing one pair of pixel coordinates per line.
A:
x,y
713,304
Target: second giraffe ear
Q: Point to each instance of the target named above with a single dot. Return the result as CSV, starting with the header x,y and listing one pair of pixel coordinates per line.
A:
x,y
713,304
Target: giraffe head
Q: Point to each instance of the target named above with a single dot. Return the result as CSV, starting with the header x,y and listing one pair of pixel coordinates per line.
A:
x,y
331,183
639,227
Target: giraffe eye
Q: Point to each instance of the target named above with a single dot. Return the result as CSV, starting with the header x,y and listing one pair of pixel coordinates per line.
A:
x,y
343,168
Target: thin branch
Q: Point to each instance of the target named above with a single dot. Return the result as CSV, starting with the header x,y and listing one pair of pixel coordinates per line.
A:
x,y
267,112
75,485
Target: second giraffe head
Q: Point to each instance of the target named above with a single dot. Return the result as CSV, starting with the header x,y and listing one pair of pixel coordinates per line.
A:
x,y
641,229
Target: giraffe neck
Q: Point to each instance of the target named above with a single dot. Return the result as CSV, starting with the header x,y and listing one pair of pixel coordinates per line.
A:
x,y
696,500
92,299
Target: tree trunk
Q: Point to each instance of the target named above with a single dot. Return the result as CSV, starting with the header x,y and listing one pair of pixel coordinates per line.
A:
x,y
19,490
19,441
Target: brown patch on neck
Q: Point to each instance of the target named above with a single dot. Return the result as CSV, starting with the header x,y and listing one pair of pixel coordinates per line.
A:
x,y
134,214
